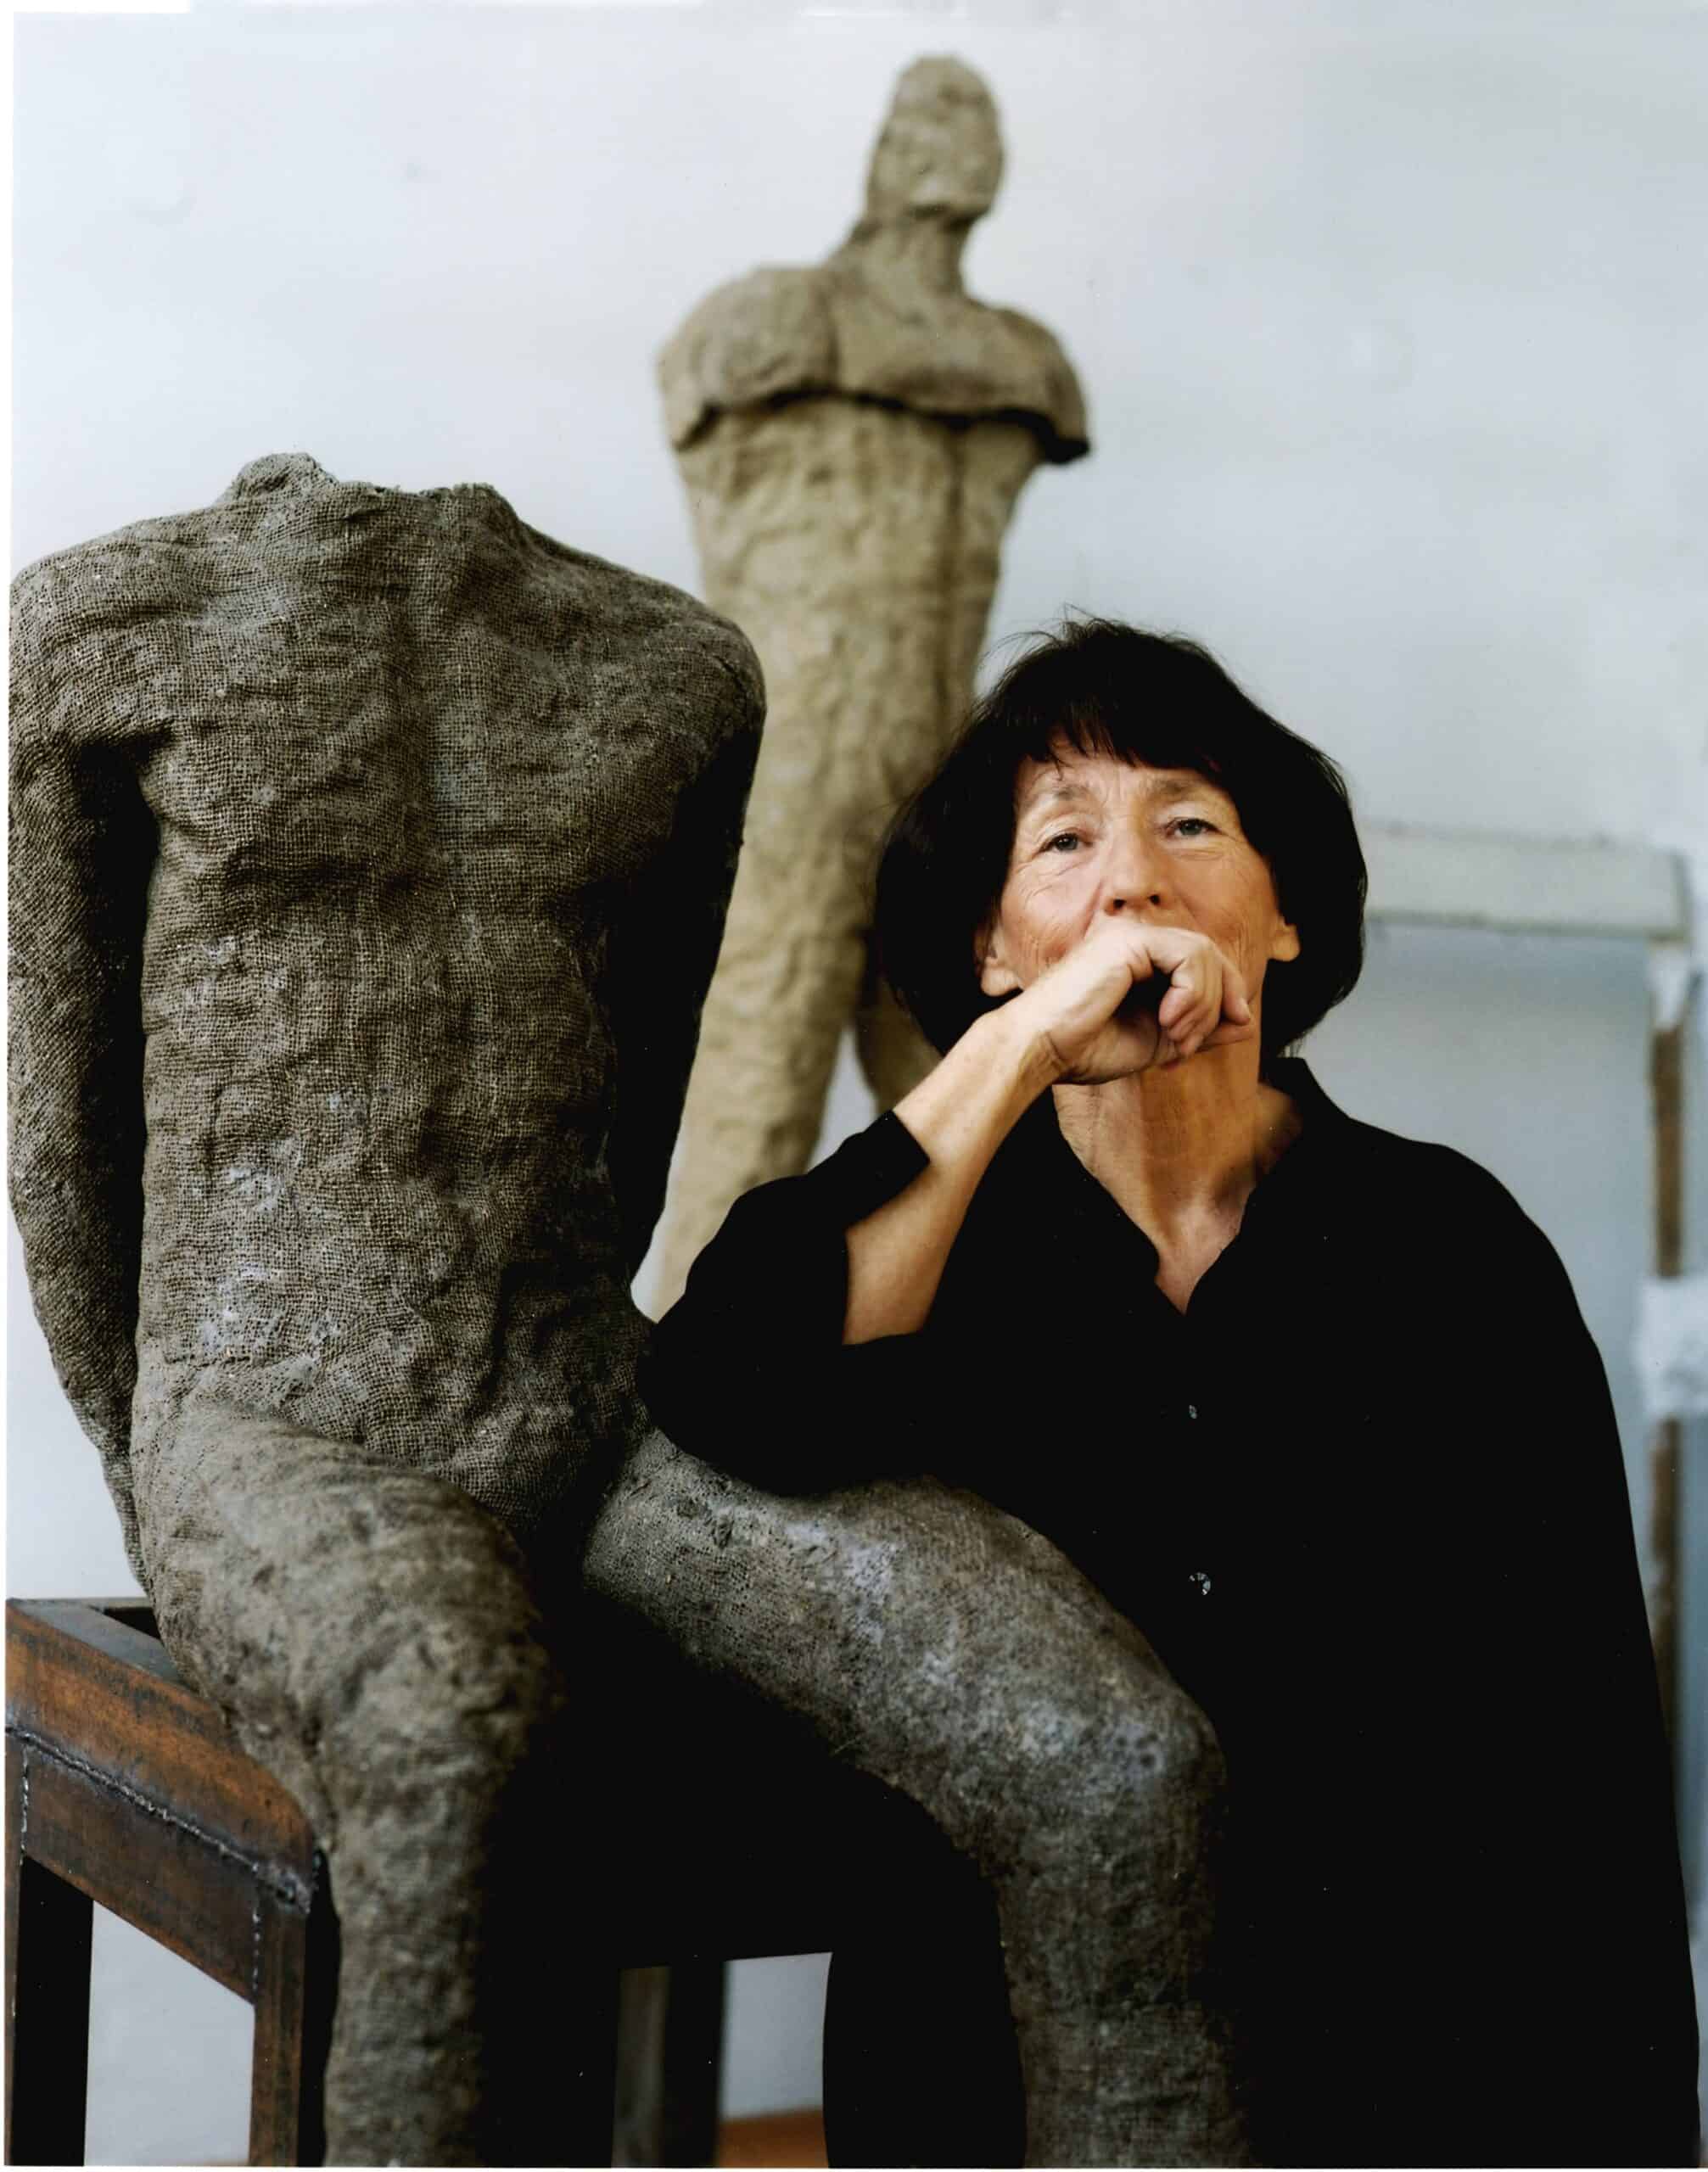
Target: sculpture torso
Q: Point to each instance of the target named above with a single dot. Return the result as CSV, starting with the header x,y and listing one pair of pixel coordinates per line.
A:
x,y
405,804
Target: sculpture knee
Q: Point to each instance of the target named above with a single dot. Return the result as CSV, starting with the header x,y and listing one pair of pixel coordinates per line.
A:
x,y
429,1717
940,1644
1113,1778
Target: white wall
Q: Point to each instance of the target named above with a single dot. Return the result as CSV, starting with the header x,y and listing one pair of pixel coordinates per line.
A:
x,y
1389,316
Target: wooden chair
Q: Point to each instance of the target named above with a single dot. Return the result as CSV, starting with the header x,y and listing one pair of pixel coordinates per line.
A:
x,y
125,1787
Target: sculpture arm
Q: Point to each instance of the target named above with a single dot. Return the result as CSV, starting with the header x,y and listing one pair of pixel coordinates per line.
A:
x,y
660,954
82,844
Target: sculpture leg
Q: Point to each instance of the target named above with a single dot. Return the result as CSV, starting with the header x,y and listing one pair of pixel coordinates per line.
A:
x,y
788,974
894,1053
942,1646
370,1631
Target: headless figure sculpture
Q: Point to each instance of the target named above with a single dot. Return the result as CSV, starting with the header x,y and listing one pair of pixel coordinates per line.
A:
x,y
853,436
369,855
369,852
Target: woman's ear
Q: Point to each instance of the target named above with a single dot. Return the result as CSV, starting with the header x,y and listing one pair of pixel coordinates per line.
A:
x,y
1284,945
996,976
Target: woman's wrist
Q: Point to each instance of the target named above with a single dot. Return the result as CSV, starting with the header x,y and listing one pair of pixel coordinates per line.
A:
x,y
1020,1055
981,1089
959,1114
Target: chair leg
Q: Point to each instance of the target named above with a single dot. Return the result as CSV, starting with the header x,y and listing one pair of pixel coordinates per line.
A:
x,y
295,1990
693,2062
670,2038
49,1926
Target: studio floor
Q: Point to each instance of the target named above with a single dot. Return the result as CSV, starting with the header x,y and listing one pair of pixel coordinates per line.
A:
x,y
773,2138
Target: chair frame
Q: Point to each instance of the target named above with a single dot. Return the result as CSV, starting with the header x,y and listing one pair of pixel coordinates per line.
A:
x,y
125,1786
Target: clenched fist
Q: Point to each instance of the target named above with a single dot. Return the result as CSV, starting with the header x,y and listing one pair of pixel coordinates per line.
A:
x,y
1133,997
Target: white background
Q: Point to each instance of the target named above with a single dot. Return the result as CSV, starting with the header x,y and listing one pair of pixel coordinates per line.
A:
x,y
1391,322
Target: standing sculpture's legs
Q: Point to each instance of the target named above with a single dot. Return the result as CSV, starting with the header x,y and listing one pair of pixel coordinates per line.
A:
x,y
857,546
942,1647
894,1054
370,1631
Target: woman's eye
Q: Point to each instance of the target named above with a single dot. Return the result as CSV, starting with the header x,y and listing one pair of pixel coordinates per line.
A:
x,y
1066,840
1192,824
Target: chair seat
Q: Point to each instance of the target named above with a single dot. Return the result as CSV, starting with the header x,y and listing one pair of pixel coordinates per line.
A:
x,y
125,1787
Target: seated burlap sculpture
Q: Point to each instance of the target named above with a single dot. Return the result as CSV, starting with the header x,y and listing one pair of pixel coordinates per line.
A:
x,y
369,855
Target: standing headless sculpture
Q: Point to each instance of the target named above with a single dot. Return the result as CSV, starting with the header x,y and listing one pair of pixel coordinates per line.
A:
x,y
853,436
368,855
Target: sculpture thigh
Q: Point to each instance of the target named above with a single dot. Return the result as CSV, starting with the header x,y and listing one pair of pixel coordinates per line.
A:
x,y
944,1646
857,546
369,1630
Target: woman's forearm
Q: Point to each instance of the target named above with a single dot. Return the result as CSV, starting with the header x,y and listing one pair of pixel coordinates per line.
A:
x,y
960,1114
1067,1023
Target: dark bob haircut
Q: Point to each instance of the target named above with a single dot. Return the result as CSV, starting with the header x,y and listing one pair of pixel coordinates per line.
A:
x,y
1102,688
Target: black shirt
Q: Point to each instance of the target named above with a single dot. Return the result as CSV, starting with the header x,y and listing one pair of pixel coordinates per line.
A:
x,y
1365,1496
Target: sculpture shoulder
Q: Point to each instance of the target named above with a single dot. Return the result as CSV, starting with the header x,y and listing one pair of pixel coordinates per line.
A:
x,y
787,331
1043,368
755,339
71,612
123,634
954,355
93,622
659,640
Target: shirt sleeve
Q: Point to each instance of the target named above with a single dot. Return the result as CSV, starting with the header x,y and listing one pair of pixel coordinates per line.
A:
x,y
748,1368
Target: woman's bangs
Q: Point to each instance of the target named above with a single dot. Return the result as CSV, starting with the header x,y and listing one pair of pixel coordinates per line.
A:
x,y
1125,732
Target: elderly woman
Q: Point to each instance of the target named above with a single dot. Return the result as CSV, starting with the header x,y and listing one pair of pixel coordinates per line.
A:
x,y
1312,1404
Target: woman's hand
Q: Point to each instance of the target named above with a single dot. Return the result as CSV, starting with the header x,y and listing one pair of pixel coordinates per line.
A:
x,y
1127,997
1133,997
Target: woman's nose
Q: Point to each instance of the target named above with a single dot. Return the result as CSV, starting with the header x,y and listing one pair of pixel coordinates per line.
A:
x,y
1133,877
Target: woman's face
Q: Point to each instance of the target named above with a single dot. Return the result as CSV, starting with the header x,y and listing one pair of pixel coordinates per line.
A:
x,y
1095,835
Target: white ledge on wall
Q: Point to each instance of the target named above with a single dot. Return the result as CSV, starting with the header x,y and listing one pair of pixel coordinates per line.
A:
x,y
1540,886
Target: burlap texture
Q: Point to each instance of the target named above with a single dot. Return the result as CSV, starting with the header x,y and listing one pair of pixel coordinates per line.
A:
x,y
376,1638
934,1642
370,853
